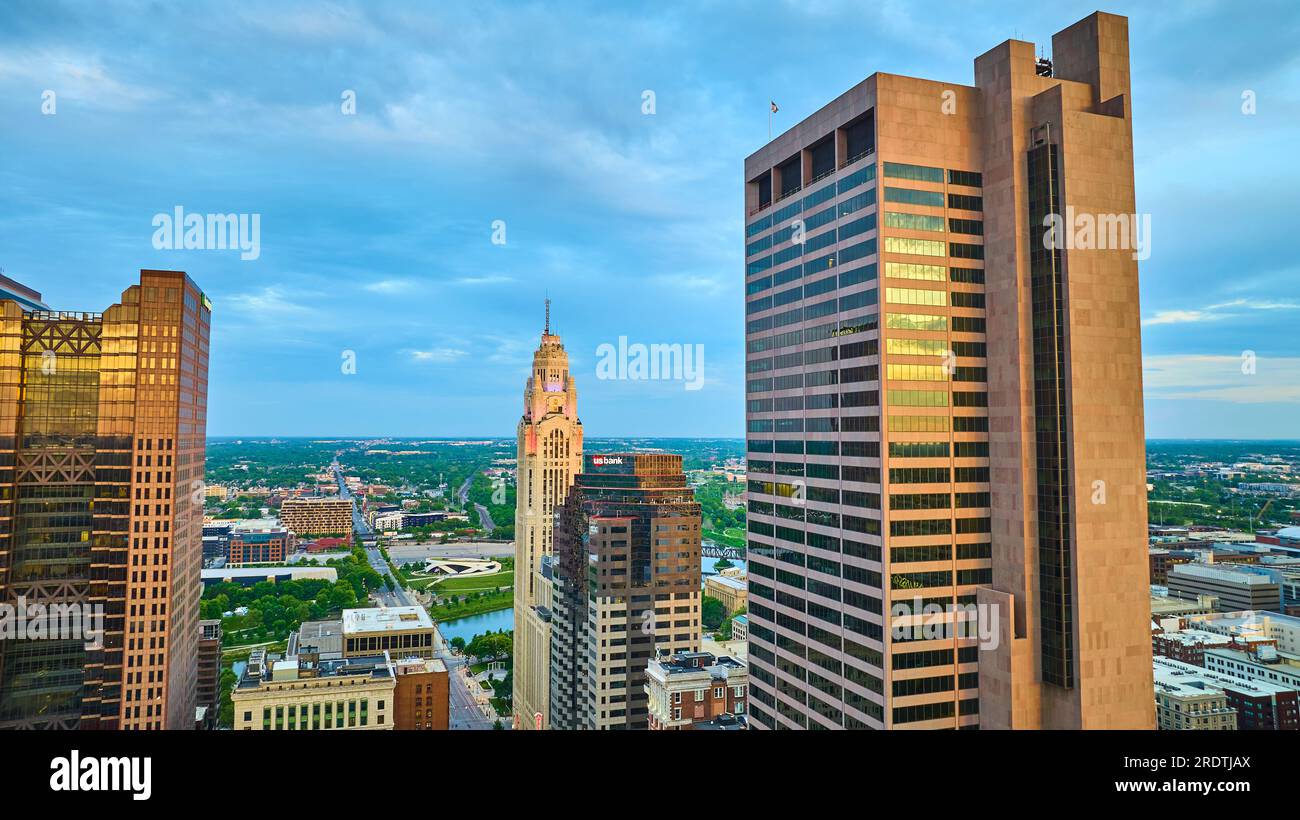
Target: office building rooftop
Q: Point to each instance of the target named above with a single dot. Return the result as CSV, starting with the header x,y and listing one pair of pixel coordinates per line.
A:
x,y
385,619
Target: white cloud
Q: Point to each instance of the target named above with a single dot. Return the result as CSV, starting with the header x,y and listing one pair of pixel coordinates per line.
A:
x,y
1243,379
437,355
1214,313
76,77
318,23
1175,317
266,305
695,284
514,351
483,280
390,286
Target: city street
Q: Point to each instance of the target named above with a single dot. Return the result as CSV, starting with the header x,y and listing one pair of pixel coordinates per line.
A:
x,y
396,597
463,712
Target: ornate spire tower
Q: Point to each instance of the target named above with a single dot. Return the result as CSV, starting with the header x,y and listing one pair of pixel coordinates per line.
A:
x,y
549,456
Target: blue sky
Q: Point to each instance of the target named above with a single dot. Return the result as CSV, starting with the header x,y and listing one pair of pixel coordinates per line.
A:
x,y
376,228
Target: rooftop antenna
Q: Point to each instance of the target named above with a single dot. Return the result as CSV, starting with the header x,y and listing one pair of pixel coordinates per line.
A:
x,y
547,331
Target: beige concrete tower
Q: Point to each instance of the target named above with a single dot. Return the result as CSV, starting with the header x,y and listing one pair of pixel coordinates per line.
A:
x,y
944,410
549,456
1068,458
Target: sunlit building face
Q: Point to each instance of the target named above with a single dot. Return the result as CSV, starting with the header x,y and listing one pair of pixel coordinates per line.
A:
x,y
102,442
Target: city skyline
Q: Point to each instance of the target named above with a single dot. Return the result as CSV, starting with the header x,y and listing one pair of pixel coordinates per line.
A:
x,y
757,366
376,228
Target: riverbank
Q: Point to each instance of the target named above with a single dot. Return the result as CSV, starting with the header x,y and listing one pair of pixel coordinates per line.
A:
x,y
498,620
490,602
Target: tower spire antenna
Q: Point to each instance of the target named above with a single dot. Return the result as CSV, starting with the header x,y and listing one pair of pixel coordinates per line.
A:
x,y
547,330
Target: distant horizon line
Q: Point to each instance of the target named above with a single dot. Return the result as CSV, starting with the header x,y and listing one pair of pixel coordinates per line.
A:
x,y
642,436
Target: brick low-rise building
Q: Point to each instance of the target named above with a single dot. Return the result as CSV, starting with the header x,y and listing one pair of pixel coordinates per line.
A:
x,y
1258,703
422,696
1187,645
694,688
265,545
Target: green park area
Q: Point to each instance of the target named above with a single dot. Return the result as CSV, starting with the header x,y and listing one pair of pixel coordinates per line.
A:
x,y
471,603
730,537
445,586
273,610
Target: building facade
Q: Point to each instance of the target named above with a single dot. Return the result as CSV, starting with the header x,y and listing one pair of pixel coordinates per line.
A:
x,y
103,422
1235,588
208,693
260,545
941,410
686,690
549,456
626,587
303,692
403,631
1257,703
1187,700
731,591
422,695
386,521
317,516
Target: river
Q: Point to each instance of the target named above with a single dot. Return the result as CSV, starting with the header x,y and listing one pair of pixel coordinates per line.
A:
x,y
473,625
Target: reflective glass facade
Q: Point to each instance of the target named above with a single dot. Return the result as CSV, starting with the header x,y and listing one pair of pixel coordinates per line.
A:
x,y
102,442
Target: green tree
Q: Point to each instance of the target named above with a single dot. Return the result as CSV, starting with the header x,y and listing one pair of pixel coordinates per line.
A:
x,y
712,612
491,646
226,714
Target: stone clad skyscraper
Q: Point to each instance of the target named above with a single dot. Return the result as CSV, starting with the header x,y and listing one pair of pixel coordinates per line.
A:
x,y
549,456
626,587
942,410
103,420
